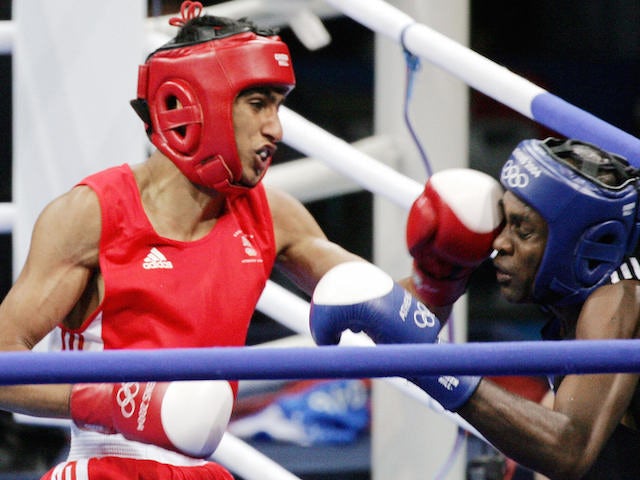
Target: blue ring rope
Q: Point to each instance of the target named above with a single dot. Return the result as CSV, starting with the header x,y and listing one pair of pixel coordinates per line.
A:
x,y
238,363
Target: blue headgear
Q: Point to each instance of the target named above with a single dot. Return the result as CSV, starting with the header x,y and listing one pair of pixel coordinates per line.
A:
x,y
591,226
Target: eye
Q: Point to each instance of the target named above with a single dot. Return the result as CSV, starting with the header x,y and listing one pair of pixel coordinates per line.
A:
x,y
521,229
257,103
524,233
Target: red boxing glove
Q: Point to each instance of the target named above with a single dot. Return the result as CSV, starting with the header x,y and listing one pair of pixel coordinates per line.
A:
x,y
186,417
450,232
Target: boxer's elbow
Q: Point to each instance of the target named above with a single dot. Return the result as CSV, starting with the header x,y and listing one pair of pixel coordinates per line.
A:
x,y
573,456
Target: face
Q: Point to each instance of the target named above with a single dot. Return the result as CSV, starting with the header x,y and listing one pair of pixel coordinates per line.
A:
x,y
519,248
257,131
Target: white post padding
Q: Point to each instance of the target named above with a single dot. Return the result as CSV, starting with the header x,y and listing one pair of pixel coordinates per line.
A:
x,y
75,69
410,442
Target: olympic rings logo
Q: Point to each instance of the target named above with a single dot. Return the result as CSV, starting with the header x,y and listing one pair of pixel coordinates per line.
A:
x,y
513,176
125,398
423,317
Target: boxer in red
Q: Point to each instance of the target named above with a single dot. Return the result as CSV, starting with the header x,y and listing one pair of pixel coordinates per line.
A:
x,y
172,252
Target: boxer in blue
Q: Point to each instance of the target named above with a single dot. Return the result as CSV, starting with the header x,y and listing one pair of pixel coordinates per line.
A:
x,y
568,242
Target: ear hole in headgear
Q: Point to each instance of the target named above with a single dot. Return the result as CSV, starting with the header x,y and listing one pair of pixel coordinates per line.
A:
x,y
172,103
601,248
179,116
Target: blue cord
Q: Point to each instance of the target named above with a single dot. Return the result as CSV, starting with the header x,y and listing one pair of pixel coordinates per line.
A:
x,y
413,65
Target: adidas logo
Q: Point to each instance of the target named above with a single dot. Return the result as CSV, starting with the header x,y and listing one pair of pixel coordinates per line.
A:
x,y
155,259
449,382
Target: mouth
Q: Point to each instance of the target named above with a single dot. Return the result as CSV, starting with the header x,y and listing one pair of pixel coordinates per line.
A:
x,y
502,276
264,156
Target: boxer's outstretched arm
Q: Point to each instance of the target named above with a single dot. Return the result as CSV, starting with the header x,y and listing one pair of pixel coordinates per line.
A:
x,y
360,297
304,253
563,441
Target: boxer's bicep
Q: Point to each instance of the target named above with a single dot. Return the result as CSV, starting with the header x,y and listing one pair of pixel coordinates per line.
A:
x,y
304,252
62,257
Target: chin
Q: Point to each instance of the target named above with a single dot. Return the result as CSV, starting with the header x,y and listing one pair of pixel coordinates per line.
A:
x,y
511,296
254,181
249,183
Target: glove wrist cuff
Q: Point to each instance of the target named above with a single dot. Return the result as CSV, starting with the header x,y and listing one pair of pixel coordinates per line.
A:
x,y
437,292
90,407
450,391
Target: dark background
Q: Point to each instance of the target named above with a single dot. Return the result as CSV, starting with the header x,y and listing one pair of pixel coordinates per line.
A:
x,y
586,52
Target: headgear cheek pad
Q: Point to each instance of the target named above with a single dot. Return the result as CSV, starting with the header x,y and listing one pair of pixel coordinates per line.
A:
x,y
189,90
591,226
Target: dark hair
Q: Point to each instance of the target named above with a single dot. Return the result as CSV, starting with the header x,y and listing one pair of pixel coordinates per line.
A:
x,y
192,30
209,27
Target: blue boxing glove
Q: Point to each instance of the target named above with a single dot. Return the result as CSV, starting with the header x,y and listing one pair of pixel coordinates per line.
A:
x,y
360,297
450,391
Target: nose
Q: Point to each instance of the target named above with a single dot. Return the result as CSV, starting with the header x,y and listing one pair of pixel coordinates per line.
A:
x,y
502,243
272,127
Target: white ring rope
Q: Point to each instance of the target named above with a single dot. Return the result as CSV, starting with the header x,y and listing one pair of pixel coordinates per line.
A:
x,y
7,35
234,453
490,78
308,138
475,70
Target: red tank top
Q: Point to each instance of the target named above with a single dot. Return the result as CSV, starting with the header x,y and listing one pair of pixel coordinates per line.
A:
x,y
163,293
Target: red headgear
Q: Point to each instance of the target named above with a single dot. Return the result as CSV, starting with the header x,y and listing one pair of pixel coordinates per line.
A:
x,y
186,92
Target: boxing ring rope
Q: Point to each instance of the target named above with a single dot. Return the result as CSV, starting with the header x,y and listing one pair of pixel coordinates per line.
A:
x,y
234,453
563,357
490,78
501,358
292,311
7,34
310,179
380,179
302,16
7,217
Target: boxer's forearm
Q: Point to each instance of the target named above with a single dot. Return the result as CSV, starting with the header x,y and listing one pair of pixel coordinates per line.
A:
x,y
38,400
534,436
